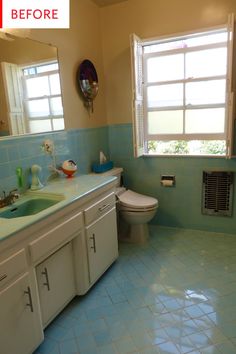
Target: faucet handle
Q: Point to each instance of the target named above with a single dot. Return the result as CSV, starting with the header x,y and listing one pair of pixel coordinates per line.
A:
x,y
13,193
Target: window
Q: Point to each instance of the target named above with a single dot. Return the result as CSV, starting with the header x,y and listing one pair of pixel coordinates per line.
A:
x,y
42,97
182,99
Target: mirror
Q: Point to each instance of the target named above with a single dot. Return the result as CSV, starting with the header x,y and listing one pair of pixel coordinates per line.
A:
x,y
30,91
88,82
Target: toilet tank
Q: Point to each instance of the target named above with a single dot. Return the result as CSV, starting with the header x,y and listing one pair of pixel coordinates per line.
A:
x,y
116,171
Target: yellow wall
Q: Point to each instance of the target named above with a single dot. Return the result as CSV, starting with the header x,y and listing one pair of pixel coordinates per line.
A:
x,y
81,41
149,18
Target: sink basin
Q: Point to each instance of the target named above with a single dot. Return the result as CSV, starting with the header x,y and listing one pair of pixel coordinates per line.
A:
x,y
29,207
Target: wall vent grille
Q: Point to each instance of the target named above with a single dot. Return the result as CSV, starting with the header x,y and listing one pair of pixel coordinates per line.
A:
x,y
217,196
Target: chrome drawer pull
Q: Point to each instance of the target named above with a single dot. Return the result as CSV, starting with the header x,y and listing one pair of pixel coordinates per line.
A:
x,y
2,277
30,303
45,272
94,243
104,207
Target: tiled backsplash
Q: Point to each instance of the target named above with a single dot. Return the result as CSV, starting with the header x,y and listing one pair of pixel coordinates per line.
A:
x,y
81,145
179,206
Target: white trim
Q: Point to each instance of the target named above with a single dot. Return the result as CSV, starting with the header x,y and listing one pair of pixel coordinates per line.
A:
x,y
182,35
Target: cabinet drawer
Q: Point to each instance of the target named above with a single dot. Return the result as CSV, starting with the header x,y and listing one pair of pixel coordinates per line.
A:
x,y
96,210
12,266
53,239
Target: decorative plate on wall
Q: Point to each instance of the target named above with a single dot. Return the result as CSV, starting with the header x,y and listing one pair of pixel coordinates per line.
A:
x,y
87,80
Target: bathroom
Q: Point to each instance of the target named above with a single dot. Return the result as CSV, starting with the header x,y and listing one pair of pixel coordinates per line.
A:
x,y
97,33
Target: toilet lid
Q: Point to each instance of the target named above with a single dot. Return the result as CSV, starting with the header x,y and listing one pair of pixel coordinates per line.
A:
x,y
136,200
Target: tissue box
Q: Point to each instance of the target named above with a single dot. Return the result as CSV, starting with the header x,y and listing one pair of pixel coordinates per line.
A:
x,y
103,167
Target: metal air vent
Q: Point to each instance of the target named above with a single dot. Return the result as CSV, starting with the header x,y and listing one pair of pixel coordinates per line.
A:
x,y
217,196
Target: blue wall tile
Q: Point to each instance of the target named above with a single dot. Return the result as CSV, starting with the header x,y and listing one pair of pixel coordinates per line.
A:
x,y
179,206
81,145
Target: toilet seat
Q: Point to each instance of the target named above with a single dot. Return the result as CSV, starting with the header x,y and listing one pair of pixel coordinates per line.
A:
x,y
132,201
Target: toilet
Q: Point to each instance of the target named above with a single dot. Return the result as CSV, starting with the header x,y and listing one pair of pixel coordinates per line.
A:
x,y
135,209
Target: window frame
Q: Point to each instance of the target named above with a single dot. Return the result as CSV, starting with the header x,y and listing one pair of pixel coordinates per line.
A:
x,y
26,99
140,128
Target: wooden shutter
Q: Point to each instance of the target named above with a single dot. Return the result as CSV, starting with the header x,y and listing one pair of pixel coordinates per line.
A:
x,y
12,88
137,94
230,121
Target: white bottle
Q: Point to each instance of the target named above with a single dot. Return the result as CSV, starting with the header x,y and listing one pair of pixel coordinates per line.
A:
x,y
35,183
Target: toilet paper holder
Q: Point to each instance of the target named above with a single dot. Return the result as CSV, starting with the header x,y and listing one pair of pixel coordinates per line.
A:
x,y
168,180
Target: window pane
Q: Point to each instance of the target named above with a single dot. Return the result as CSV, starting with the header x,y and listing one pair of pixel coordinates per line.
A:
x,y
165,95
38,108
37,87
56,106
47,67
39,126
206,39
55,84
205,92
165,122
165,68
210,120
58,124
205,63
193,41
193,147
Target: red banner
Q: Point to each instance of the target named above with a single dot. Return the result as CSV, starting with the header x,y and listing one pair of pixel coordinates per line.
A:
x,y
0,13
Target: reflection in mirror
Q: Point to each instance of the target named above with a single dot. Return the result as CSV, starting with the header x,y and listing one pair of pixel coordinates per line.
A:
x,y
30,91
88,82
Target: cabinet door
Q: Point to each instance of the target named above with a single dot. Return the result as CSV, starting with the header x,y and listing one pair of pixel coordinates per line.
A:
x,y
56,284
102,244
20,326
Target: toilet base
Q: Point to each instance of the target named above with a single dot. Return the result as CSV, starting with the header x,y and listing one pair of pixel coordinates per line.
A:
x,y
136,233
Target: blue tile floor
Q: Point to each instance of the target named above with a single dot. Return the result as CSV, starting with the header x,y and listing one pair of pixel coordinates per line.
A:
x,y
175,295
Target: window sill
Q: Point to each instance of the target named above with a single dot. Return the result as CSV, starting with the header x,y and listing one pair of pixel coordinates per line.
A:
x,y
184,156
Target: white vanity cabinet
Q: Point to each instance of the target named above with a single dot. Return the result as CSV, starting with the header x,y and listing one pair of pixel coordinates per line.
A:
x,y
44,265
101,236
56,284
20,324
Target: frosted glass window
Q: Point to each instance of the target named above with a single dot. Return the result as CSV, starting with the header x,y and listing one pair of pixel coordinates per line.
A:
x,y
165,122
58,124
38,108
206,39
39,126
176,43
164,68
205,92
210,120
55,84
206,63
56,106
46,68
37,87
165,95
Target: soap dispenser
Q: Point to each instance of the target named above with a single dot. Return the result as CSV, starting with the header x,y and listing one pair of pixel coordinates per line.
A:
x,y
35,183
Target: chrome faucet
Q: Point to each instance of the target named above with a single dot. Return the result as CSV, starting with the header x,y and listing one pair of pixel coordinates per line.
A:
x,y
9,199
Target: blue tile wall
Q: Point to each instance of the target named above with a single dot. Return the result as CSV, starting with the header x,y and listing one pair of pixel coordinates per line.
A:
x,y
81,145
179,206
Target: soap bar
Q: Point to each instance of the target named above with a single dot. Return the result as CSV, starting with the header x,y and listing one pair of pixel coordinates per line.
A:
x,y
103,167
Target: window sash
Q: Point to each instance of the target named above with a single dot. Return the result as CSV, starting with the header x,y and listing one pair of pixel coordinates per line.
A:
x,y
184,106
227,135
51,116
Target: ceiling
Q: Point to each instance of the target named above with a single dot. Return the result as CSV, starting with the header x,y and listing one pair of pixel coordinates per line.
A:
x,y
102,3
